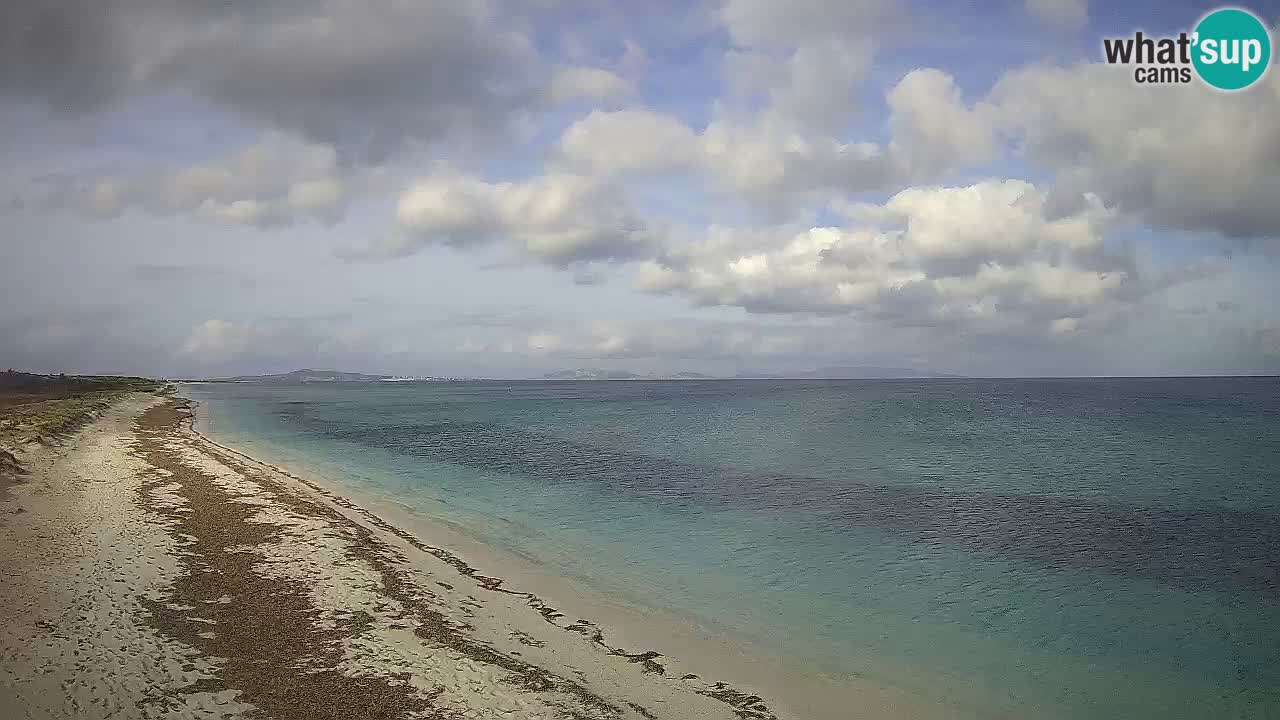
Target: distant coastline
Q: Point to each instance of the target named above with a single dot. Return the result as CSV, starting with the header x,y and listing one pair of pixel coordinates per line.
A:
x,y
592,374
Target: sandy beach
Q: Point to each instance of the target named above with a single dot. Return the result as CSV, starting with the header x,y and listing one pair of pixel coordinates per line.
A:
x,y
152,573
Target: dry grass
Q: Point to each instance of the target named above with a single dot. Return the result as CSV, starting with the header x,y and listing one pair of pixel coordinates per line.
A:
x,y
45,408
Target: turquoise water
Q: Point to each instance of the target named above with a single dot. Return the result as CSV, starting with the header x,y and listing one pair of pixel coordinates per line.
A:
x,y
1002,548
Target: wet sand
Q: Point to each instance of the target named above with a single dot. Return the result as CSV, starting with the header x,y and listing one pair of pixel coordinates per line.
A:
x,y
152,573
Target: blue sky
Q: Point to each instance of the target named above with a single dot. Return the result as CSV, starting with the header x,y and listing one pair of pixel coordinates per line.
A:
x,y
504,189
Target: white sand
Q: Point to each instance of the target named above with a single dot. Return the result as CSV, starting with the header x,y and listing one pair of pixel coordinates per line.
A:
x,y
99,535
79,555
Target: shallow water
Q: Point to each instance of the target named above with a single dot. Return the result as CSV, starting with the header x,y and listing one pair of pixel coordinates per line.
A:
x,y
1001,548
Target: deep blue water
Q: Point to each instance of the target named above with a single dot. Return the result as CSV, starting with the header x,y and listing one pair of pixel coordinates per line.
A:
x,y
1002,548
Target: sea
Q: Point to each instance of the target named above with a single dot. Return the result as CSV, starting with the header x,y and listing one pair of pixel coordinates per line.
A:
x,y
1024,548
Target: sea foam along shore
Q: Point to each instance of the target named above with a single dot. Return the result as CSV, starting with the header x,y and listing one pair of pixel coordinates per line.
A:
x,y
153,573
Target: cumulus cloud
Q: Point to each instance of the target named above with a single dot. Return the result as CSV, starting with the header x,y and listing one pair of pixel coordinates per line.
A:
x,y
629,141
811,88
771,166
933,128
108,197
593,83
1151,152
1148,151
1185,157
983,257
350,96
272,181
558,218
770,163
238,212
322,194
219,339
805,59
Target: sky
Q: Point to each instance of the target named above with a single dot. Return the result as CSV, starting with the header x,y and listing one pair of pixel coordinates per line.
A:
x,y
501,189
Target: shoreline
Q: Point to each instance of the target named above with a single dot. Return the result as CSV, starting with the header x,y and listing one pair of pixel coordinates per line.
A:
x,y
662,639
209,584
651,661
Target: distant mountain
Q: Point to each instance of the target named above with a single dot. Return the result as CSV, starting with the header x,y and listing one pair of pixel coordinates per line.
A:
x,y
858,372
825,373
686,375
855,372
590,374
306,376
599,374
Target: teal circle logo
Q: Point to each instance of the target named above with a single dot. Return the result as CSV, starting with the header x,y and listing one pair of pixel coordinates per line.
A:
x,y
1231,49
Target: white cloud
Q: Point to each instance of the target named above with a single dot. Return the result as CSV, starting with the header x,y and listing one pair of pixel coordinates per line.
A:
x,y
806,58
272,181
1151,152
811,88
593,83
771,165
985,257
992,221
767,164
559,218
355,96
109,197
771,161
933,129
325,193
1181,157
216,340
627,141
453,210
1065,326
237,212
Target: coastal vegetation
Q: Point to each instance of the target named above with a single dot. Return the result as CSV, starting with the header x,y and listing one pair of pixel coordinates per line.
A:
x,y
43,408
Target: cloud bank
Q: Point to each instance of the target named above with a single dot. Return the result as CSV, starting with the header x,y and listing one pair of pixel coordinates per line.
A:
x,y
684,183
